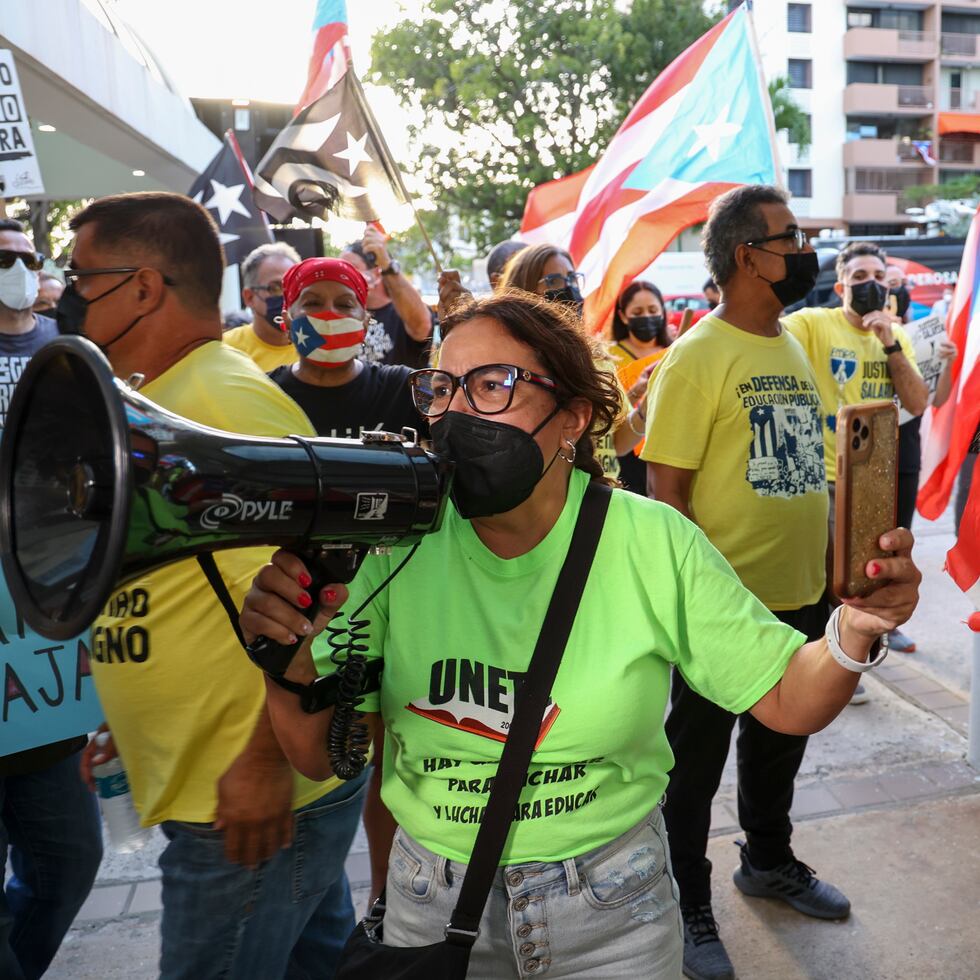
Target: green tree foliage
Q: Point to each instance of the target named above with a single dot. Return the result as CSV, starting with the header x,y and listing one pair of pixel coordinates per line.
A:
x,y
788,115
523,92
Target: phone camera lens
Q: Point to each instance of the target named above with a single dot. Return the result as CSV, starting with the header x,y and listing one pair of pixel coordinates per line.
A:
x,y
856,426
865,432
856,443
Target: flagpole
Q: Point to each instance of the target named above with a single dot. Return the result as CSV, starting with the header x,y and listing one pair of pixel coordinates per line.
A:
x,y
767,100
391,166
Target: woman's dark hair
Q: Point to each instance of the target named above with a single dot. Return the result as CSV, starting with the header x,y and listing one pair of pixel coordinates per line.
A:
x,y
555,335
525,269
620,328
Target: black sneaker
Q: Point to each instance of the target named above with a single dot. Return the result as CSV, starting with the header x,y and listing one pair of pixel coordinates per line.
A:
x,y
793,883
704,955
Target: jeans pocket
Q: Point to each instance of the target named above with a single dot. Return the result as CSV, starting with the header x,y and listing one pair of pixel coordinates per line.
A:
x,y
322,836
408,875
200,831
635,873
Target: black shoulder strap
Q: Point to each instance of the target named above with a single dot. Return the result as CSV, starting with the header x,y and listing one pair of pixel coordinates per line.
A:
x,y
210,568
529,710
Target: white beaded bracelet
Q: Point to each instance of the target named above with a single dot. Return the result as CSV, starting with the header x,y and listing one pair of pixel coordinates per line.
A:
x,y
633,415
832,635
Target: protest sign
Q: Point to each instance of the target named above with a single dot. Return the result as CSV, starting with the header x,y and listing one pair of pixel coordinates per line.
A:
x,y
20,174
925,335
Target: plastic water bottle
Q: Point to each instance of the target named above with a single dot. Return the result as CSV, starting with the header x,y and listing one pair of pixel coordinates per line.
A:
x,y
116,801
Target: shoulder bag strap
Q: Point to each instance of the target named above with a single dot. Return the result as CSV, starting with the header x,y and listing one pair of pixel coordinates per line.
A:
x,y
463,927
210,568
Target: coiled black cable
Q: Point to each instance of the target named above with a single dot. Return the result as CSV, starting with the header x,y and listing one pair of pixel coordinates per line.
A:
x,y
348,740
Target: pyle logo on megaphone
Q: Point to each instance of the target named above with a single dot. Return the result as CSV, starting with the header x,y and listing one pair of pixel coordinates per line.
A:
x,y
232,508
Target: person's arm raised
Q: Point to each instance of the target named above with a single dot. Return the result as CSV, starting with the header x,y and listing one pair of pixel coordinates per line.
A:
x,y
815,688
272,609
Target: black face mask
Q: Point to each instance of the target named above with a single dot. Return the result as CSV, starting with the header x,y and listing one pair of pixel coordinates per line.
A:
x,y
868,296
903,300
73,308
802,269
646,328
497,465
567,294
273,309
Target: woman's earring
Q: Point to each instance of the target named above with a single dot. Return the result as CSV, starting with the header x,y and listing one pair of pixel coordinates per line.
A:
x,y
571,445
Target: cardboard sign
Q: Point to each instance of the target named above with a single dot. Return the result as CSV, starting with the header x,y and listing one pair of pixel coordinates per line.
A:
x,y
925,335
20,174
48,693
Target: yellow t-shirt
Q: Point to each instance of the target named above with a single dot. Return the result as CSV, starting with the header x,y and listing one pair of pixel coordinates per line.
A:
x,y
267,356
744,413
619,355
605,447
850,364
180,696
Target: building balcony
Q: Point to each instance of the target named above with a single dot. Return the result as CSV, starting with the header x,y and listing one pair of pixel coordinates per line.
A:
x,y
959,100
960,153
881,153
884,209
865,98
882,44
960,49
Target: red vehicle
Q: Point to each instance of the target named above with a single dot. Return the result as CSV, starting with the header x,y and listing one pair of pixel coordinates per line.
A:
x,y
676,304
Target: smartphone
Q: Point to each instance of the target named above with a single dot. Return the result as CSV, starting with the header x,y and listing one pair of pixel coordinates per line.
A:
x,y
867,492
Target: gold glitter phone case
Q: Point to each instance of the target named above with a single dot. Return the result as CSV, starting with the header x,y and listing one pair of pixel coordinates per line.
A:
x,y
867,486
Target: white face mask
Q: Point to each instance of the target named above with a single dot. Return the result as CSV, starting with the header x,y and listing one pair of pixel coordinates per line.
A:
x,y
18,286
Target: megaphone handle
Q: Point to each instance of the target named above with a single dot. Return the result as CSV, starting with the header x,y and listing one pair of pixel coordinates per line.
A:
x,y
325,568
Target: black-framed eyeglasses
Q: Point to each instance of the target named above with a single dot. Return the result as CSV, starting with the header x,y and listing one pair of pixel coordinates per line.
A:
x,y
273,288
489,388
797,236
73,275
33,260
556,281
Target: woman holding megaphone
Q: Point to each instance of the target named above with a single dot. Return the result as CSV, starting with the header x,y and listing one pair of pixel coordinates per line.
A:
x,y
492,636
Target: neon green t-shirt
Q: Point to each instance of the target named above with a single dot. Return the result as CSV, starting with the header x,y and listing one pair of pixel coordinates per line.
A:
x,y
850,364
743,412
457,628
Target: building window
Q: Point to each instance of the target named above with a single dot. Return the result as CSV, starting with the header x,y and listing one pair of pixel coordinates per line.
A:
x,y
801,183
860,18
800,71
798,18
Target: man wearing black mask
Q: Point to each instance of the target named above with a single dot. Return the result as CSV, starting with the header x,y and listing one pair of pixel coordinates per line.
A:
x,y
265,340
859,353
733,441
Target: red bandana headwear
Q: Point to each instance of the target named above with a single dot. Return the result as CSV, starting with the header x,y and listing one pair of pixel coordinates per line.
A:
x,y
310,271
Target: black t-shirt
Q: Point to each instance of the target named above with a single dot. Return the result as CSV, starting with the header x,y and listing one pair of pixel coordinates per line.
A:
x,y
378,398
16,349
387,341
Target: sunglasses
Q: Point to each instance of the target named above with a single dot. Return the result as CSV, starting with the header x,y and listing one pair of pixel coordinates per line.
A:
x,y
33,260
73,275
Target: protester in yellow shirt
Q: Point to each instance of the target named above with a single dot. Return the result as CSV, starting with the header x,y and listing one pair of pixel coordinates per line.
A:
x,y
857,351
265,340
253,879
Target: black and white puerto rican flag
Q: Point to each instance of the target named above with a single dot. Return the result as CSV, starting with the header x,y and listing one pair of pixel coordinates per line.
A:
x,y
330,159
223,189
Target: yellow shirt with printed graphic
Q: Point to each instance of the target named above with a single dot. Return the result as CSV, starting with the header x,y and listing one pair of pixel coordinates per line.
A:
x,y
267,356
743,412
180,696
850,364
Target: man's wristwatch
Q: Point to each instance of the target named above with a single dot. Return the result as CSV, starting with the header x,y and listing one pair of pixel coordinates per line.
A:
x,y
895,348
394,268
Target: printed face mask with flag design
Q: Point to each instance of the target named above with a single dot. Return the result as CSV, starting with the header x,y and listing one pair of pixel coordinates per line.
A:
x,y
328,340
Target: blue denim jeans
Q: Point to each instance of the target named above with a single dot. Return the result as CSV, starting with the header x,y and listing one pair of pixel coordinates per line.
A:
x,y
288,918
608,914
50,826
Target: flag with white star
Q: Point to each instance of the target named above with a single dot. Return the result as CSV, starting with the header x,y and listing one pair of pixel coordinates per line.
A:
x,y
225,189
331,158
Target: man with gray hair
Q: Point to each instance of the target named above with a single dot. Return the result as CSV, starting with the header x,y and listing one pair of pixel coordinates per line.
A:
x,y
264,340
734,441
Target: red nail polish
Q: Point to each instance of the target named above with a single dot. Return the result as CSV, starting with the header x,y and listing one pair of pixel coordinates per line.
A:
x,y
305,580
329,595
875,569
304,600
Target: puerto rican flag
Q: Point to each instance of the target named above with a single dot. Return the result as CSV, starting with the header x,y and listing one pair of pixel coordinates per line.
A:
x,y
704,126
949,429
330,58
963,560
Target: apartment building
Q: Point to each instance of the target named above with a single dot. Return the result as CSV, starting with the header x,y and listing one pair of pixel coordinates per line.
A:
x,y
892,89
